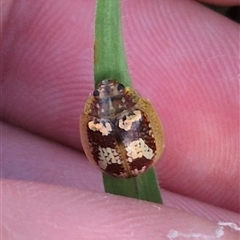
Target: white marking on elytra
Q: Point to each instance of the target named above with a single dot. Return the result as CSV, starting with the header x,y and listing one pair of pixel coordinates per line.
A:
x,y
107,156
130,119
136,172
105,129
138,149
121,174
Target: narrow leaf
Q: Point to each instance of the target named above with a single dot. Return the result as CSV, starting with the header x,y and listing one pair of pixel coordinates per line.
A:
x,y
109,54
110,63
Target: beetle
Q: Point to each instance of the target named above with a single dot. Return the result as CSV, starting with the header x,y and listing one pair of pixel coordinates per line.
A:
x,y
120,131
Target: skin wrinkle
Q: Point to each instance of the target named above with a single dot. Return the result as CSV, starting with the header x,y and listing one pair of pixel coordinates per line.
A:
x,y
57,202
45,81
66,173
208,211
211,97
222,2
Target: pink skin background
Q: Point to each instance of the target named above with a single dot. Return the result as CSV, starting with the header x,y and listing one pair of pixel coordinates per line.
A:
x,y
183,57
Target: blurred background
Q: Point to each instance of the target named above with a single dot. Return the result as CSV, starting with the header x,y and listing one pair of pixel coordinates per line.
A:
x,y
232,12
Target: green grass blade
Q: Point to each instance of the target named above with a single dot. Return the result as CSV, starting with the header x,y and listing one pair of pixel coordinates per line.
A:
x,y
144,187
110,63
109,55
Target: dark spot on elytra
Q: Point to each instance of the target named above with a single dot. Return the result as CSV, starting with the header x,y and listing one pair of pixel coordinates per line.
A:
x,y
139,129
114,168
139,163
